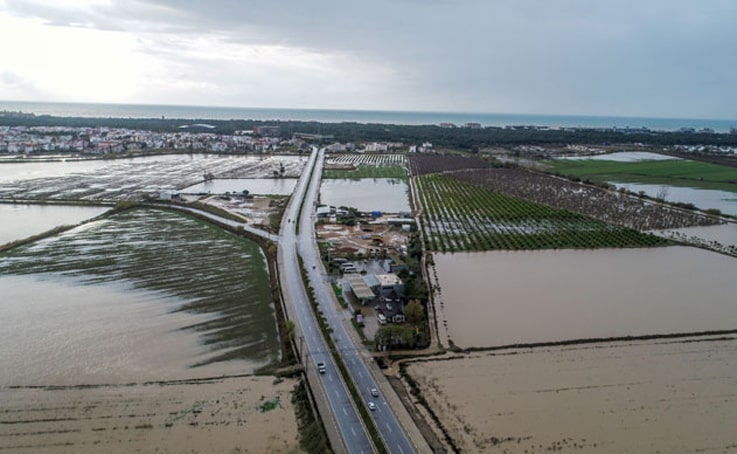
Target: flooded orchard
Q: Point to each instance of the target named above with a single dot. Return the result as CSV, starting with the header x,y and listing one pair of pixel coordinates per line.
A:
x,y
19,221
499,298
261,186
704,199
134,178
144,294
674,395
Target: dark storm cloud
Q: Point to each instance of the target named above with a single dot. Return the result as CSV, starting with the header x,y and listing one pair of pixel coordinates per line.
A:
x,y
624,57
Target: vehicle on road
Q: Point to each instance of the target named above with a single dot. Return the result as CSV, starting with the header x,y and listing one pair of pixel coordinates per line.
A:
x,y
321,368
374,392
372,406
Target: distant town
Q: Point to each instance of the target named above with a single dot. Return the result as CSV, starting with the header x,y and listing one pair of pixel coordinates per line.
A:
x,y
26,133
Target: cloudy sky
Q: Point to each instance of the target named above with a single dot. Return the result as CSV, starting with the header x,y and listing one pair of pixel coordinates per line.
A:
x,y
662,58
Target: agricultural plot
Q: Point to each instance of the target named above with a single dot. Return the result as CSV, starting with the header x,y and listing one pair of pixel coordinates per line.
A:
x,y
423,164
355,159
136,178
365,166
367,171
671,172
611,207
217,415
206,270
458,216
630,397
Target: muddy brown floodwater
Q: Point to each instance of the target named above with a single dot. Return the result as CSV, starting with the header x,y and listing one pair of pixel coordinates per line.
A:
x,y
219,415
499,298
633,397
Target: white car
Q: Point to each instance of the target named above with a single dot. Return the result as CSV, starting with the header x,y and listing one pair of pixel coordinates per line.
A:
x,y
374,392
372,406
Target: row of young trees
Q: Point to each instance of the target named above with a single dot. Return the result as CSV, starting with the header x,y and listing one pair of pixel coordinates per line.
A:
x,y
599,202
372,159
458,216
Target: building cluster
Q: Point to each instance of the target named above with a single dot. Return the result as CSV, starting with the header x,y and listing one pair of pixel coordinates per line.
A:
x,y
471,125
368,147
708,149
385,292
102,140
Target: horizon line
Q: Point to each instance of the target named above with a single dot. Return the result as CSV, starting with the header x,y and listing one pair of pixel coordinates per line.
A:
x,y
359,110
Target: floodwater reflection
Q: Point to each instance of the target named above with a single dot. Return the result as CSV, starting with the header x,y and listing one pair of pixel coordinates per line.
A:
x,y
21,221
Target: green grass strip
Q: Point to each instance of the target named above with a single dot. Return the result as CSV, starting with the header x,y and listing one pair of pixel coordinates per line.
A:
x,y
672,172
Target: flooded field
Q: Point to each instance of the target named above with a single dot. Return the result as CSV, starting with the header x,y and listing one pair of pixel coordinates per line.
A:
x,y
260,186
377,194
724,201
20,221
725,234
625,156
654,396
133,178
60,331
218,415
146,294
499,298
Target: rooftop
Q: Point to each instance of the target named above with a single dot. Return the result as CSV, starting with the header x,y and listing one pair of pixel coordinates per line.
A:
x,y
358,286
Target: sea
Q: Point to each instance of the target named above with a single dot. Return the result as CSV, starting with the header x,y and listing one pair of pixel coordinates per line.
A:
x,y
357,116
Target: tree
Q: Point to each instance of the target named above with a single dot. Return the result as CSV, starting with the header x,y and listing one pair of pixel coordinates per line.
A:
x,y
414,312
290,329
392,336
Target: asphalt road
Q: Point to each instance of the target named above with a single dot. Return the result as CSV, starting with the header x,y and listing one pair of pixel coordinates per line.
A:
x,y
355,357
311,343
314,348
222,220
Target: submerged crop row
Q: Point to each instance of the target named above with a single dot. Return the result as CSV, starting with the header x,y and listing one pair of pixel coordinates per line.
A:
x,y
458,216
134,179
203,268
366,159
